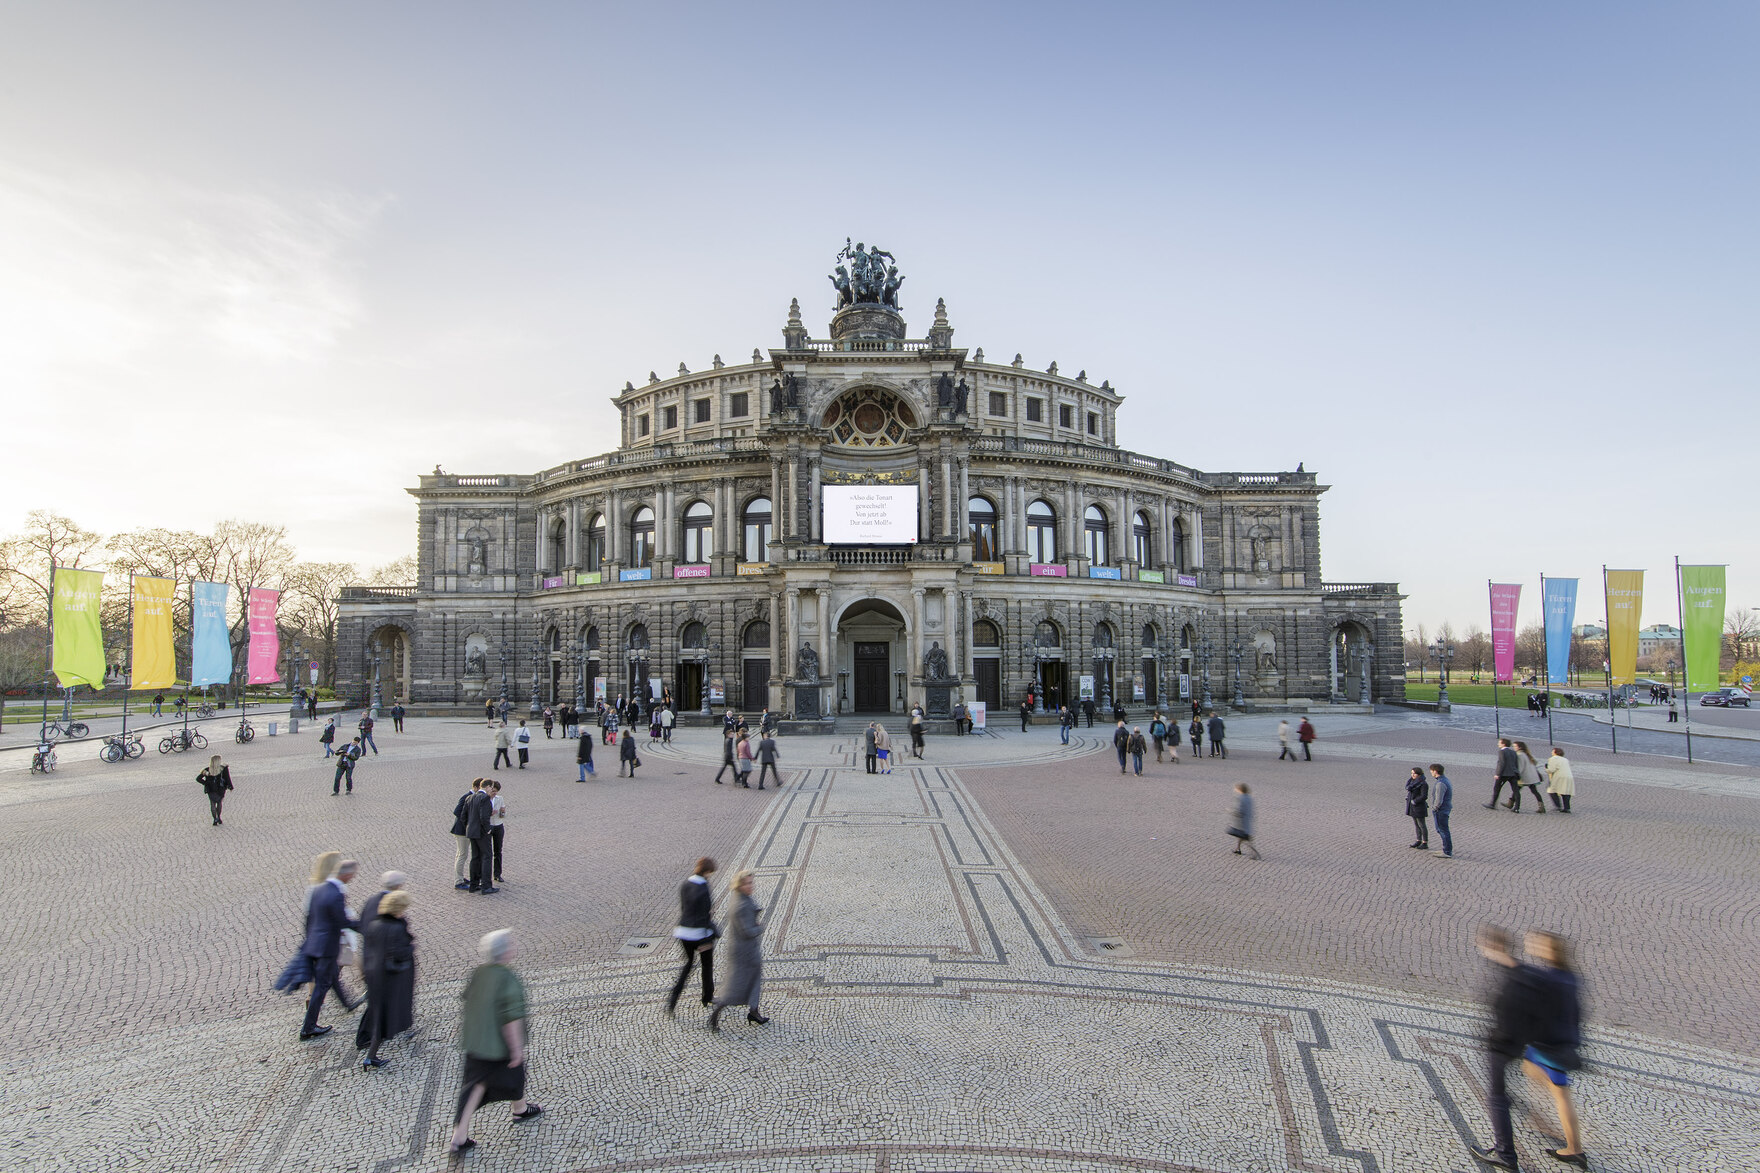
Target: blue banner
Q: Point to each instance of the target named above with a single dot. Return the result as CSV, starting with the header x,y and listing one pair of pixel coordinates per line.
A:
x,y
1560,606
211,644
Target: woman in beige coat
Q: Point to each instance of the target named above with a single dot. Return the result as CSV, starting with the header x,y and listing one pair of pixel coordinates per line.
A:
x,y
1562,782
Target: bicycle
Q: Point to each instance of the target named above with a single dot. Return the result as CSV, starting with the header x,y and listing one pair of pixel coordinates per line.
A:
x,y
246,731
116,748
72,731
43,761
182,740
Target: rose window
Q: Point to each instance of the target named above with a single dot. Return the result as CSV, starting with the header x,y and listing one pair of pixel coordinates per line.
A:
x,y
869,418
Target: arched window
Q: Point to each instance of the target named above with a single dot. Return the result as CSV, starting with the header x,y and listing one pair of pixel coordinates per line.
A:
x,y
1150,638
1046,635
1179,545
590,637
1102,635
558,544
595,559
1141,547
983,522
641,538
638,638
757,636
1041,532
757,537
1096,532
698,544
693,637
554,640
985,635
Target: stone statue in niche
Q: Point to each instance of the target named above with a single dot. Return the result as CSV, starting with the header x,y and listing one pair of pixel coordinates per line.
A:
x,y
478,559
944,390
794,390
935,662
1260,538
959,398
806,663
475,663
776,397
1265,652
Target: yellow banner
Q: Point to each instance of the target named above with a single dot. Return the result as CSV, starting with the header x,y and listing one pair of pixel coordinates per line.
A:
x,y
1625,604
153,663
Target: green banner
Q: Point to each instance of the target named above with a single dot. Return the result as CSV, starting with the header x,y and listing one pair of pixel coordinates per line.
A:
x,y
1702,625
79,637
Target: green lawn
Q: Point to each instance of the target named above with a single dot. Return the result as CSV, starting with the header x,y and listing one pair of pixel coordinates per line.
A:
x,y
1508,696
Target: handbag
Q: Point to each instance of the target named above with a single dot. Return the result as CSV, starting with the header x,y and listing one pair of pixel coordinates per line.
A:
x,y
350,951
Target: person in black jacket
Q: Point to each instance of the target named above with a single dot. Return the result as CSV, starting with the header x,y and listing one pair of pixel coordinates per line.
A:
x,y
1509,772
583,756
727,762
626,755
1418,805
476,829
388,963
216,780
1513,1000
1554,1051
767,761
461,860
695,933
1121,741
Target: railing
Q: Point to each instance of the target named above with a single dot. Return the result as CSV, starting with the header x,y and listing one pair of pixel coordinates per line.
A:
x,y
379,594
1359,588
866,345
859,556
659,453
1091,453
1223,480
499,482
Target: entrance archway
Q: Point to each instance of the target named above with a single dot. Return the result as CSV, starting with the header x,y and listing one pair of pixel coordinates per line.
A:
x,y
392,646
872,657
1352,664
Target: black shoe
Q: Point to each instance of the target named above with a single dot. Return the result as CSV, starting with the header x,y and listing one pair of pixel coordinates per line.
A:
x,y
315,1033
754,1016
488,888
1492,1157
715,1019
1580,1160
372,1062
1414,845
459,1150
463,885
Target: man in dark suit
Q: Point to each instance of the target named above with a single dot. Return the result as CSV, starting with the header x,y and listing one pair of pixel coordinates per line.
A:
x,y
326,917
476,829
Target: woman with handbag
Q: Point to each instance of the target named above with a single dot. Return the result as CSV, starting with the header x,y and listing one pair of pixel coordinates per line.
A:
x,y
216,780
745,931
388,962
493,1038
1242,830
626,755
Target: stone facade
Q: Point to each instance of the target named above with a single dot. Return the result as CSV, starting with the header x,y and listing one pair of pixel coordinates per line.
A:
x,y
695,553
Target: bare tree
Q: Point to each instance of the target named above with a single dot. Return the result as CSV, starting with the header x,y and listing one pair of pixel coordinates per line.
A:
x,y
400,572
310,605
1475,650
1741,633
1531,648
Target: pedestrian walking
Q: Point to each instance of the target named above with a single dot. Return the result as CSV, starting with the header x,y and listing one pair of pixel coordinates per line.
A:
x,y
1418,806
742,757
522,740
215,779
654,726
346,757
1514,992
326,918
916,727
1306,735
1026,714
1088,710
1441,806
745,930
767,761
503,708
1554,1049
328,738
549,722
1508,772
476,829
1196,729
158,704
1172,741
667,719
492,1036
1283,742
1528,775
365,725
1218,731
397,712
883,747
389,882
869,754
627,759
1121,741
1158,734
497,823
312,706
608,726
695,933
1561,781
1242,829
1138,747
503,744
583,755
461,857
727,758
388,964
1066,721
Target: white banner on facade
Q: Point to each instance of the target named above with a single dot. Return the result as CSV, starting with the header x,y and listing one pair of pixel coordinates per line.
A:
x,y
870,514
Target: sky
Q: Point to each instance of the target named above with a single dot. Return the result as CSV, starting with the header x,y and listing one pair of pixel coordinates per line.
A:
x,y
1489,269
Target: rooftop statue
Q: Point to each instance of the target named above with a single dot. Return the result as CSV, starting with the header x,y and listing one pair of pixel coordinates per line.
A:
x,y
870,277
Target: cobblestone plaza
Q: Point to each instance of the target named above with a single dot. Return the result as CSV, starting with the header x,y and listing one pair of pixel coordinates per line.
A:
x,y
1005,957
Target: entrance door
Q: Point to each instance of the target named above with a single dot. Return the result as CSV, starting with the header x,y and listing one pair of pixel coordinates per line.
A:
x,y
687,689
873,668
989,682
1150,695
1051,673
755,687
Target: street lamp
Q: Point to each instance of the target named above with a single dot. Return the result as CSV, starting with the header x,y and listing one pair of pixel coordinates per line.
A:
x,y
1205,647
578,648
537,654
504,670
378,700
1443,653
1240,701
1671,672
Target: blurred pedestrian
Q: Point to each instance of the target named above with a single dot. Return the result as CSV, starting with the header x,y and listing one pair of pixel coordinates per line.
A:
x,y
742,757
388,883
1508,772
869,755
627,758
1553,1051
1441,806
326,918
215,779
1173,740
1196,729
883,747
1283,742
695,932
767,755
667,719
583,755
1026,714
493,1038
489,712
1305,734
1121,741
1561,781
1513,996
1138,747
503,746
1158,732
745,930
916,728
1418,806
388,963
1242,830
727,759
1528,775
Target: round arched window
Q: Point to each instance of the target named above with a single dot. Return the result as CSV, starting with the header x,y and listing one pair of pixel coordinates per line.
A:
x,y
869,417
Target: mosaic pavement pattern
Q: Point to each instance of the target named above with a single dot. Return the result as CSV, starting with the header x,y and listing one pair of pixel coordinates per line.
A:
x,y
931,1014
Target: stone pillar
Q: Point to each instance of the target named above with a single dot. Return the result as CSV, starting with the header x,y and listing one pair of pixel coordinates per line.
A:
x,y
825,665
947,505
775,502
1017,516
574,533
965,499
915,668
785,666
924,515
613,540
1069,540
790,489
1128,523
967,672
1196,537
813,520
776,671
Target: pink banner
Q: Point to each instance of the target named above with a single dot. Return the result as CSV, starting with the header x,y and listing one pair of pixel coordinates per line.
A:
x,y
1047,570
1505,598
690,572
265,649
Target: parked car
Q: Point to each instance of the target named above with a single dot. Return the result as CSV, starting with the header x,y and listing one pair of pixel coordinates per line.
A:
x,y
1727,698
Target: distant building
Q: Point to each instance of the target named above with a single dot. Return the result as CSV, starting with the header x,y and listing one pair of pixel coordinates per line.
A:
x,y
1659,638
1589,631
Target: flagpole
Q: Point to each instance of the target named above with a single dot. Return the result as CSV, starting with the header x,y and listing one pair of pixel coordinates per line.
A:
x,y
1686,679
1496,709
1546,646
1607,644
49,656
192,657
128,677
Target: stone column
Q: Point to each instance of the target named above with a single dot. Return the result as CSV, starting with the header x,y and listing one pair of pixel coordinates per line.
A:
x,y
968,672
775,502
1129,524
776,614
915,668
825,664
574,533
1069,542
790,488
965,499
613,543
785,666
924,516
1017,516
1196,537
947,492
813,520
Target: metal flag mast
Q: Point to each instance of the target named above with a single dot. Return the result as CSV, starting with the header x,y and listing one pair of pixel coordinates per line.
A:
x,y
48,654
128,677
1496,707
193,621
1680,608
1607,645
1546,656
